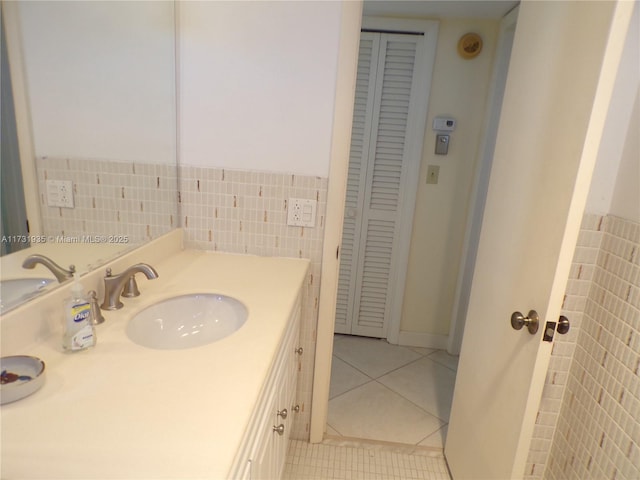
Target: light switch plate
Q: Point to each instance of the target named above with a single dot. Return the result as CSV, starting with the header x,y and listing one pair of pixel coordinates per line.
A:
x,y
301,212
60,193
433,172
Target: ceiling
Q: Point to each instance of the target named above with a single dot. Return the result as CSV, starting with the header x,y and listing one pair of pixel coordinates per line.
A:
x,y
440,8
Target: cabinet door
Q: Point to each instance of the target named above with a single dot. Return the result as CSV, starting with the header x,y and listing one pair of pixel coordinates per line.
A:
x,y
262,461
286,382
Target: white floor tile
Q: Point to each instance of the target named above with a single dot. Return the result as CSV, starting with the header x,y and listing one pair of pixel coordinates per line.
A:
x,y
332,431
344,377
442,357
423,351
426,383
364,461
436,439
372,411
372,356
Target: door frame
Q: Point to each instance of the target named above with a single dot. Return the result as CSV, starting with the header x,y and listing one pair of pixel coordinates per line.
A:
x,y
352,22
411,158
10,15
345,87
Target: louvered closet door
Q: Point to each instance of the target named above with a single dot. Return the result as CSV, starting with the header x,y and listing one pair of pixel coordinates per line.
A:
x,y
374,184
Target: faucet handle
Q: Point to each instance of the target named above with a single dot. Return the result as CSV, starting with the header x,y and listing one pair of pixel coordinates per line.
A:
x,y
96,315
131,288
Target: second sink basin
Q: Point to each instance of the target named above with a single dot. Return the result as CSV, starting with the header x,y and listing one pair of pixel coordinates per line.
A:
x,y
187,321
17,290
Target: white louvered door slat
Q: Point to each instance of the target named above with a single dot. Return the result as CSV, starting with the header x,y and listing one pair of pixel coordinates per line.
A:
x,y
374,186
360,139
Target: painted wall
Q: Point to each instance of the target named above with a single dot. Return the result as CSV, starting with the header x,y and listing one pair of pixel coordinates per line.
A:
x,y
625,202
615,136
257,84
459,89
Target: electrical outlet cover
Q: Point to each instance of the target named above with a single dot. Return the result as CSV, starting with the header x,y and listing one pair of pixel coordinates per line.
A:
x,y
301,212
60,193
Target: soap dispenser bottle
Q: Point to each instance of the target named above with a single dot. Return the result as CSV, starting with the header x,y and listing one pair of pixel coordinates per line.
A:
x,y
79,332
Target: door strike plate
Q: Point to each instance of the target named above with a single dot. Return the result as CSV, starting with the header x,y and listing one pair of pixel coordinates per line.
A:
x,y
549,330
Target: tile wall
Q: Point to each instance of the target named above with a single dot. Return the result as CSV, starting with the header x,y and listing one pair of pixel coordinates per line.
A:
x,y
111,198
589,422
246,212
580,277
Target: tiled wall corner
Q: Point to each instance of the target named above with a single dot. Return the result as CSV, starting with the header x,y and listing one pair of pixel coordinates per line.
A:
x,y
246,212
580,277
111,198
598,431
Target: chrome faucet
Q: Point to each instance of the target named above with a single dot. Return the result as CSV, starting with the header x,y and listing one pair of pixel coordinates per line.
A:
x,y
60,273
114,284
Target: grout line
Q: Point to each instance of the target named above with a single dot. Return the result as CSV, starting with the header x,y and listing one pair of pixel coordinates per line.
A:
x,y
404,448
441,363
354,387
414,404
432,434
445,422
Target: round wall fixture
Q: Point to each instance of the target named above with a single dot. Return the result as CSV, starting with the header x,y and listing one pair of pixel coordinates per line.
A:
x,y
469,45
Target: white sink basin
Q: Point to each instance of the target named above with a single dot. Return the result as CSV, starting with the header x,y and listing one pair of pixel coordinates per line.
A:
x,y
187,321
15,291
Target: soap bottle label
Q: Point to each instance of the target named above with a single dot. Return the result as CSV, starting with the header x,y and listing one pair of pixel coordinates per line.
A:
x,y
81,312
83,338
80,333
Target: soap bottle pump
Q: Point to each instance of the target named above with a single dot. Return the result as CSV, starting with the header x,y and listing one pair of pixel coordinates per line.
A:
x,y
79,332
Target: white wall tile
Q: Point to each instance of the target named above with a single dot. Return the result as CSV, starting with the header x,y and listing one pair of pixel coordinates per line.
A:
x,y
111,198
598,427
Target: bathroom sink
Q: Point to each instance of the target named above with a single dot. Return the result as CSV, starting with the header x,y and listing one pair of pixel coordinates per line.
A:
x,y
15,291
187,321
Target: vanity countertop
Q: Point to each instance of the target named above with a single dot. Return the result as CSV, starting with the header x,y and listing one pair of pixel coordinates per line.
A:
x,y
120,410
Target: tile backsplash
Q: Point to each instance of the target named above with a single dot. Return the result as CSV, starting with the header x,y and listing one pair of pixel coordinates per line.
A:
x,y
111,198
588,426
246,212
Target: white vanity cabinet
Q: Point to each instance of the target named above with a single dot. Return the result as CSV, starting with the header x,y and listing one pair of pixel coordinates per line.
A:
x,y
264,446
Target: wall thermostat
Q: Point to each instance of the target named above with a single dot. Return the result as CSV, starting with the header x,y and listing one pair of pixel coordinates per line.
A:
x,y
444,124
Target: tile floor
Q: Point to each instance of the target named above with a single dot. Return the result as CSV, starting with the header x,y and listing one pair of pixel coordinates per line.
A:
x,y
388,414
350,460
389,393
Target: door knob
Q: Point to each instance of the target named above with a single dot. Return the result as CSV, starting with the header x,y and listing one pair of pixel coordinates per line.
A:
x,y
563,325
532,321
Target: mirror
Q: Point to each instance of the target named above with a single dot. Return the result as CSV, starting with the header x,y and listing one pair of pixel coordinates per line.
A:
x,y
92,89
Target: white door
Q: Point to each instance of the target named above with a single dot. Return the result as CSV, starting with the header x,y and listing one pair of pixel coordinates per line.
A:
x,y
388,123
564,61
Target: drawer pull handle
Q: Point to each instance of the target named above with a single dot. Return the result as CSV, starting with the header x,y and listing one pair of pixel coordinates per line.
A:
x,y
296,408
279,429
283,413
299,350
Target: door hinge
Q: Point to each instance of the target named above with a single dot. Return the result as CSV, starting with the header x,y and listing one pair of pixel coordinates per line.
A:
x,y
338,252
